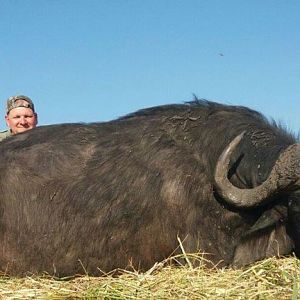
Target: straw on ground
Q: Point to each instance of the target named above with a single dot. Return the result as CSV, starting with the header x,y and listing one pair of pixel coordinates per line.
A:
x,y
269,279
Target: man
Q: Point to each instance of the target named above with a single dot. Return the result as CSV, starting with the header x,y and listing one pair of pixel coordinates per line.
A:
x,y
20,115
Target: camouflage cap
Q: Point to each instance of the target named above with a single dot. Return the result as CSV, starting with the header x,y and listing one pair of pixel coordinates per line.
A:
x,y
19,101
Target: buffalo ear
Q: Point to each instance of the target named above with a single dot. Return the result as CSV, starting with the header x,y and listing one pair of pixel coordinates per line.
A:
x,y
268,219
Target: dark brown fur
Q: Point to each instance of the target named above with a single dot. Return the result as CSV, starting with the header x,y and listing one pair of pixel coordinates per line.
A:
x,y
90,197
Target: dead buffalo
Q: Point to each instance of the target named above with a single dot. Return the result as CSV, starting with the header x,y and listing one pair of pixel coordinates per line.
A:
x,y
81,198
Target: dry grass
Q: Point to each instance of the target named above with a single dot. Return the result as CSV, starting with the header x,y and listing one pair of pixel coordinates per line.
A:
x,y
269,279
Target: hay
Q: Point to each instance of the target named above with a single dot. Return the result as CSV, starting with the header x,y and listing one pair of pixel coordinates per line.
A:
x,y
269,279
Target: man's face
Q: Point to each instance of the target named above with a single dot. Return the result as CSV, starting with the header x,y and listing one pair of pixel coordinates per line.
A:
x,y
21,119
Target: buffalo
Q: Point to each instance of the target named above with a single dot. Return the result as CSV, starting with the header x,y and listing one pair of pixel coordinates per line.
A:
x,y
91,198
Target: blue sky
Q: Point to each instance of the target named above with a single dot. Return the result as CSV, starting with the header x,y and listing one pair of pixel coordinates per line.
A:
x,y
96,60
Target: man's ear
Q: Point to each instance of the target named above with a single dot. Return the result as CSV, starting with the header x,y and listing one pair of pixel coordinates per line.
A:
x,y
36,117
6,120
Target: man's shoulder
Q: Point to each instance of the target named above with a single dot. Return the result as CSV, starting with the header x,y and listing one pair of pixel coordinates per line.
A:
x,y
4,134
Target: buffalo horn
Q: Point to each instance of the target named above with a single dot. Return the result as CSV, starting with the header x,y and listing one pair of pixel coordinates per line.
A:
x,y
285,175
